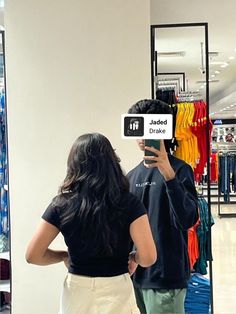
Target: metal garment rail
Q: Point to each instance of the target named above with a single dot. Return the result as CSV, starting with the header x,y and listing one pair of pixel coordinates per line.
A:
x,y
155,70
178,74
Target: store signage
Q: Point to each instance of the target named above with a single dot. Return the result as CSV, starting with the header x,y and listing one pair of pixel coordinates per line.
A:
x,y
223,121
217,122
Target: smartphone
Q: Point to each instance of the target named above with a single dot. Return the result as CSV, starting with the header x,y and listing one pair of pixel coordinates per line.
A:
x,y
151,143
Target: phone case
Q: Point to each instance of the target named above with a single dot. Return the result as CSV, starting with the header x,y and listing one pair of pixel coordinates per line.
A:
x,y
151,143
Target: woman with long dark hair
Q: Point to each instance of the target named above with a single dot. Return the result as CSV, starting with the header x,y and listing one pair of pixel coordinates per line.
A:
x,y
99,220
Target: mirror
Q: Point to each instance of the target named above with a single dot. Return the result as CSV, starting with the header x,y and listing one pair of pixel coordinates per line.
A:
x,y
180,77
179,59
5,282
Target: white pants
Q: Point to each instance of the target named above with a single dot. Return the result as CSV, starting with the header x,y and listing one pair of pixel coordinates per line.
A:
x,y
98,295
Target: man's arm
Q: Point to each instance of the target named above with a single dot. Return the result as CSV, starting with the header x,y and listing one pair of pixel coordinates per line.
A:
x,y
180,188
183,198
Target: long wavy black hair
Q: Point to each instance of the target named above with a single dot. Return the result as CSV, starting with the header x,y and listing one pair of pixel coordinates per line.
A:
x,y
95,177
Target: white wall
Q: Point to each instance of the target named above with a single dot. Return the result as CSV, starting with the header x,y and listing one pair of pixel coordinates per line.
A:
x,y
72,67
168,11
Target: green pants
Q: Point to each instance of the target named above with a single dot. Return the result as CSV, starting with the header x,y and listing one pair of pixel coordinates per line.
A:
x,y
159,301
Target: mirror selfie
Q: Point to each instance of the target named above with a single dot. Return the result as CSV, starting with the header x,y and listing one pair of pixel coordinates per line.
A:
x,y
118,164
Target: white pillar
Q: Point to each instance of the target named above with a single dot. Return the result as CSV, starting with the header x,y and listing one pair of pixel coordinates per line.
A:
x,y
72,67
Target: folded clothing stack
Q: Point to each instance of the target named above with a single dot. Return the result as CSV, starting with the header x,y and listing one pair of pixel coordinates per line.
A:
x,y
198,295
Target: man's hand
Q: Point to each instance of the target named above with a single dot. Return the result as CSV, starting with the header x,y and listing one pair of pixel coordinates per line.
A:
x,y
65,259
161,161
132,266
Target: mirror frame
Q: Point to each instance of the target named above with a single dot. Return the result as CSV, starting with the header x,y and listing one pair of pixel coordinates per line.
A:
x,y
154,71
2,34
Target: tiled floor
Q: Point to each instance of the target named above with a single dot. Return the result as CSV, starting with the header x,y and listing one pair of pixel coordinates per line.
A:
x,y
224,261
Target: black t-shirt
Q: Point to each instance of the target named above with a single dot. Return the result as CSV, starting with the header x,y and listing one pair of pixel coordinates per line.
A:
x,y
83,259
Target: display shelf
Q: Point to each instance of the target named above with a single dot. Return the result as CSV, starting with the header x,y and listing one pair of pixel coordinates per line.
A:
x,y
5,286
5,255
225,148
217,198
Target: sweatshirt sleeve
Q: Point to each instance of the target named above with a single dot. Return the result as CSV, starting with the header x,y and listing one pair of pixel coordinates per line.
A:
x,y
183,198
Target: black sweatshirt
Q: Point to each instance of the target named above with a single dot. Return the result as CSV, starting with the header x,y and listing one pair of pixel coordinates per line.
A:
x,y
172,209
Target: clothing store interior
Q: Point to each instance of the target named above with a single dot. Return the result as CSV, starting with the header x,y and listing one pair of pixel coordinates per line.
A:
x,y
73,67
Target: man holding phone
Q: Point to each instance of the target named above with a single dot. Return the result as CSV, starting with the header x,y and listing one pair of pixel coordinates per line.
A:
x,y
165,184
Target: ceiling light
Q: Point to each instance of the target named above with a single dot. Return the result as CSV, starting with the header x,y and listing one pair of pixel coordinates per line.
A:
x,y
202,86
217,72
213,75
210,81
171,54
221,110
217,62
198,90
228,107
224,65
231,105
231,58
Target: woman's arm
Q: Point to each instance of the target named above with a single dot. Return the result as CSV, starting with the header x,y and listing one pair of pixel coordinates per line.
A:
x,y
141,235
38,252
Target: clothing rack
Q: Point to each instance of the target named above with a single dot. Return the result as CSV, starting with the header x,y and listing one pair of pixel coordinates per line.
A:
x,y
175,81
229,147
189,96
225,153
188,93
168,85
179,75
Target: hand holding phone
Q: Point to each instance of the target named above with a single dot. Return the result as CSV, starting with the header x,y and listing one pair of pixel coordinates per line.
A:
x,y
151,143
162,161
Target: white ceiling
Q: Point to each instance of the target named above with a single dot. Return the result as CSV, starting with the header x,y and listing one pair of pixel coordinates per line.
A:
x,y
222,38
1,13
187,41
